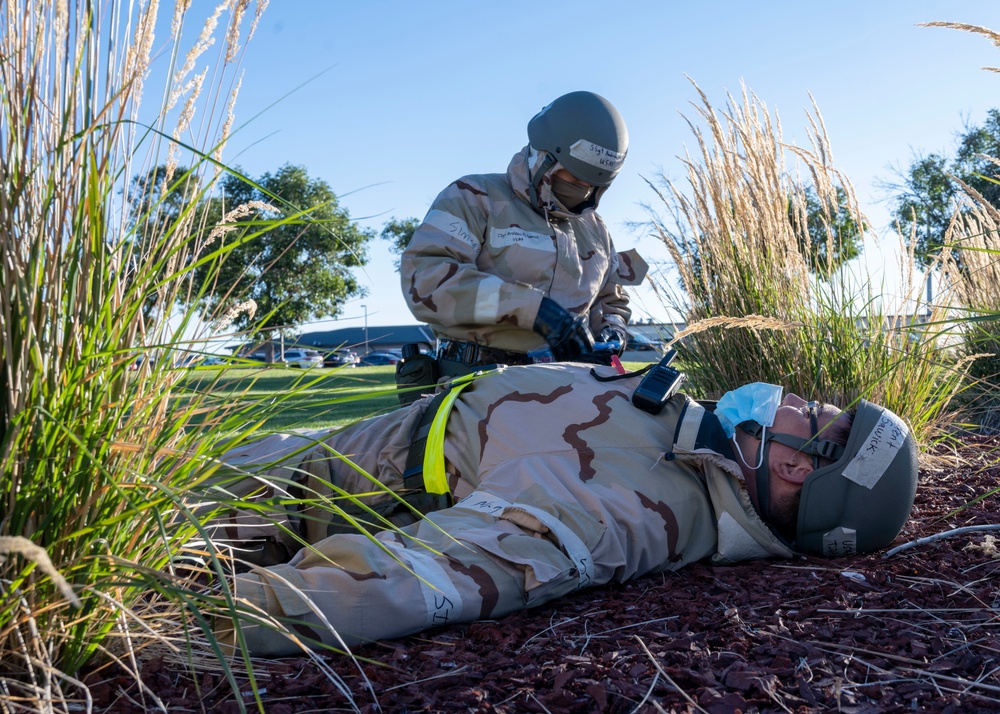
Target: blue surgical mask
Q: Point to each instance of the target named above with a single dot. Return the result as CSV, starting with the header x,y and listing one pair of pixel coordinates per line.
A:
x,y
757,401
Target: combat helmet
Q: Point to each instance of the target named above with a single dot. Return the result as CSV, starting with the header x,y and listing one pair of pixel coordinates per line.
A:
x,y
861,501
858,503
584,133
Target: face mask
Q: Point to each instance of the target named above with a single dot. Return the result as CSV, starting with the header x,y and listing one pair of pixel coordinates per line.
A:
x,y
757,401
571,195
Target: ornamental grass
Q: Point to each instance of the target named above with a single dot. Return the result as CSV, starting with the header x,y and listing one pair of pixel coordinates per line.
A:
x,y
99,458
759,234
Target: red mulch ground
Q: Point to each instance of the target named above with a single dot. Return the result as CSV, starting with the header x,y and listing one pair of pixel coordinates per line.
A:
x,y
917,631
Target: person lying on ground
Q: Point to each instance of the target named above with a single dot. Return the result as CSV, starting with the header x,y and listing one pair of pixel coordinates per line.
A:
x,y
540,480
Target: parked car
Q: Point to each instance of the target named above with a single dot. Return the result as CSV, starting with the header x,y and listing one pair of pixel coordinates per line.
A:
x,y
340,358
640,342
378,359
303,359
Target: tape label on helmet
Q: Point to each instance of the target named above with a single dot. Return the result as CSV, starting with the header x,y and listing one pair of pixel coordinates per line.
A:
x,y
840,541
596,155
877,451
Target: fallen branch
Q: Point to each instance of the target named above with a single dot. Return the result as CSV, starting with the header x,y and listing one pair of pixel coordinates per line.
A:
x,y
939,536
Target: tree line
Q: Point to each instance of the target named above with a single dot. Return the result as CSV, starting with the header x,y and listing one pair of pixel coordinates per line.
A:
x,y
299,268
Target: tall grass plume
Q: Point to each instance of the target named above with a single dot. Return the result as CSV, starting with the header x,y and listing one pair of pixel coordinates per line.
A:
x,y
760,232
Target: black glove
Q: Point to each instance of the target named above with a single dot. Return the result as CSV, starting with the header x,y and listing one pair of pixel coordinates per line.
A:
x,y
612,334
569,337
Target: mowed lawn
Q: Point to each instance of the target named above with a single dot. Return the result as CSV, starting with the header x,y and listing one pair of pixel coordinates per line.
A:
x,y
306,399
301,399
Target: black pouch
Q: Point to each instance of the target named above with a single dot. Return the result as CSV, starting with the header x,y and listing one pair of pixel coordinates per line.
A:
x,y
415,370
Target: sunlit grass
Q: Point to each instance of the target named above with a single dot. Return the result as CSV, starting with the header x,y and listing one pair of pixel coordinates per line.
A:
x,y
98,462
764,300
325,397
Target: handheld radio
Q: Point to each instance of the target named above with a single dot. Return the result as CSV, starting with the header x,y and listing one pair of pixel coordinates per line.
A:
x,y
660,383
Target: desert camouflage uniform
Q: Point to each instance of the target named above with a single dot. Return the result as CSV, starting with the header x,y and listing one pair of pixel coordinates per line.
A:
x,y
478,266
560,483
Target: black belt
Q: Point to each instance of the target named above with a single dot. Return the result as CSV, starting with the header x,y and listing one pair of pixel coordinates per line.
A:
x,y
472,354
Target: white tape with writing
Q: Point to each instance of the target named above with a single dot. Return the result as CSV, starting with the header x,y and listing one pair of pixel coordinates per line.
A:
x,y
483,502
454,227
504,237
441,597
571,543
596,155
877,451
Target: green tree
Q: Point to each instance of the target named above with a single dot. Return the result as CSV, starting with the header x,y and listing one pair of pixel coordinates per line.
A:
x,y
160,206
833,231
399,231
924,199
299,269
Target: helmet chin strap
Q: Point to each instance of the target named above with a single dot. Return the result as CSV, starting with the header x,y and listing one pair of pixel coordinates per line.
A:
x,y
535,180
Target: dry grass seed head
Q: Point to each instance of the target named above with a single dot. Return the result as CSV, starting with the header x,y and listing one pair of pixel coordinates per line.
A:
x,y
18,545
180,9
138,53
227,126
989,34
748,322
229,221
205,40
239,8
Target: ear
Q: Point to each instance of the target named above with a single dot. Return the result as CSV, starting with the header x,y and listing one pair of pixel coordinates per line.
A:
x,y
792,466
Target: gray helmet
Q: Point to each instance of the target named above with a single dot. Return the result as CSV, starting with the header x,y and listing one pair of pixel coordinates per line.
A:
x,y
858,503
584,133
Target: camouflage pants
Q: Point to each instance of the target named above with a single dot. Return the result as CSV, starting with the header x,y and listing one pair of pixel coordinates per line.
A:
x,y
478,559
296,485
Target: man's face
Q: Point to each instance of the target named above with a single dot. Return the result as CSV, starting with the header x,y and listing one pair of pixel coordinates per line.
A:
x,y
788,468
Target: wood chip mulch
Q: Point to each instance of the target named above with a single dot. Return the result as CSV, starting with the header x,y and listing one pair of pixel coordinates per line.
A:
x,y
917,631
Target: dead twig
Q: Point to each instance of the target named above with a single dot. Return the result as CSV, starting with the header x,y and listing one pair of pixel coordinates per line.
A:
x,y
939,536
670,680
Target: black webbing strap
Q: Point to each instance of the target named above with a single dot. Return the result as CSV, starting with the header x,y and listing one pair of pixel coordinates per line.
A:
x,y
413,475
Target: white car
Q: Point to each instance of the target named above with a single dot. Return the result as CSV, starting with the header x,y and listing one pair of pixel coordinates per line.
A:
x,y
303,359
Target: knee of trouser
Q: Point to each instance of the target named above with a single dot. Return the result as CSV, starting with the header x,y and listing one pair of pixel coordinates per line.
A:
x,y
267,602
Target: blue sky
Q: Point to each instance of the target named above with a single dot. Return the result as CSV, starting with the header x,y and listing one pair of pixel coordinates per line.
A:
x,y
412,95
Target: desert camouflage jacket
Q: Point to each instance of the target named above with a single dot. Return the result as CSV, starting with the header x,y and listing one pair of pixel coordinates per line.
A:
x,y
644,493
478,266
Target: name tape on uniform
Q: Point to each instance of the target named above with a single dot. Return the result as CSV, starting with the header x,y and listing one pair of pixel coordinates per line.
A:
x,y
877,451
454,227
503,237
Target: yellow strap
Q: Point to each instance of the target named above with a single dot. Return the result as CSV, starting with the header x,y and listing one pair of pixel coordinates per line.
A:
x,y
435,478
